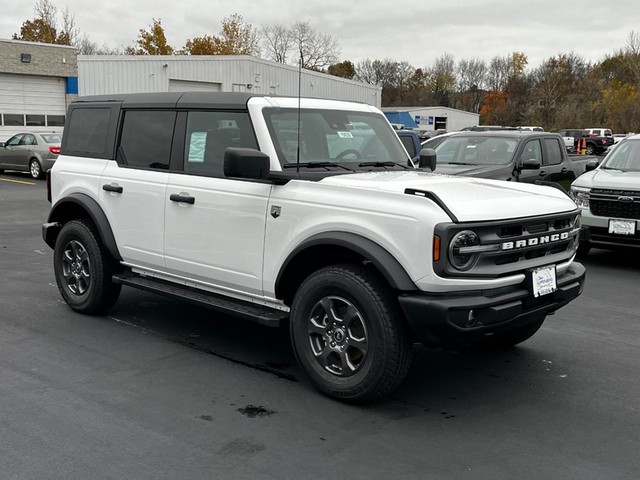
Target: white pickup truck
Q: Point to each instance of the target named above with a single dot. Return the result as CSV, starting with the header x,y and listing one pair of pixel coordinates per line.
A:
x,y
304,211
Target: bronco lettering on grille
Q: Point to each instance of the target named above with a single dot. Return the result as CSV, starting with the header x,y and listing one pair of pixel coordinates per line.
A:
x,y
532,242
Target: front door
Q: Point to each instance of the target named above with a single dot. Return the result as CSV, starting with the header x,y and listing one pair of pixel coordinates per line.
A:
x,y
215,226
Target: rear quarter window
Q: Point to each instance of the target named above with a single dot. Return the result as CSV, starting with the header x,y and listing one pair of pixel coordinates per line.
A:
x,y
90,132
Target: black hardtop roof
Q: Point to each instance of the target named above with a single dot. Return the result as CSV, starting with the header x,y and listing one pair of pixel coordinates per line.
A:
x,y
228,100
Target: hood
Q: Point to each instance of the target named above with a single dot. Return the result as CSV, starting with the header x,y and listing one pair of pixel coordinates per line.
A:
x,y
469,199
480,171
614,179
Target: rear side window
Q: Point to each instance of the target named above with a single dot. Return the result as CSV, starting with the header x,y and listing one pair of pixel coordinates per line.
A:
x,y
554,154
146,138
87,131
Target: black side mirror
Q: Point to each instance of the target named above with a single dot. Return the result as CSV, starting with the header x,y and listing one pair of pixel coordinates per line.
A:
x,y
1,144
530,164
246,163
592,165
427,158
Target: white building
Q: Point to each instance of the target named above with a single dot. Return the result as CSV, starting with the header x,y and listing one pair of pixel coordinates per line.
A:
x,y
102,74
438,118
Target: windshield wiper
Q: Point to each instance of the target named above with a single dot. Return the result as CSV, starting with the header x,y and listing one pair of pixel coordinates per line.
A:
x,y
458,163
604,167
382,164
315,164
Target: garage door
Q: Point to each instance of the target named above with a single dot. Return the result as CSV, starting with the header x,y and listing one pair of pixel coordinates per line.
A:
x,y
31,102
193,86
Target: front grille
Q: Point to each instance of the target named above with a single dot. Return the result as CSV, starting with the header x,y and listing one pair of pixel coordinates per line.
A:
x,y
615,203
512,246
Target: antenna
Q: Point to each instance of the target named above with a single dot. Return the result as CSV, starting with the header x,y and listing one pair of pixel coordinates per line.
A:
x,y
299,94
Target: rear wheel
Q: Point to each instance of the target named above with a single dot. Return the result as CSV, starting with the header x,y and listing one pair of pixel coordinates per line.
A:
x,y
35,169
589,150
83,269
349,334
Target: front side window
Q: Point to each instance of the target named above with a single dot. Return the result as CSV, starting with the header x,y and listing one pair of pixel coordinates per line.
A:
x,y
532,151
350,139
554,154
208,136
14,141
146,138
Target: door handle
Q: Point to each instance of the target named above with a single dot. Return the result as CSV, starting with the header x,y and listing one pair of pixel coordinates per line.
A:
x,y
176,197
112,188
542,173
565,170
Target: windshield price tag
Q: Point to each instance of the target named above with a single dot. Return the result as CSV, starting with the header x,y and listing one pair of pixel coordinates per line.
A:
x,y
622,227
543,280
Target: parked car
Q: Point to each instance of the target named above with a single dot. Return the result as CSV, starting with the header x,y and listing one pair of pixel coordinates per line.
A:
x,y
518,156
598,132
593,144
487,128
30,152
531,129
433,142
619,136
411,142
609,196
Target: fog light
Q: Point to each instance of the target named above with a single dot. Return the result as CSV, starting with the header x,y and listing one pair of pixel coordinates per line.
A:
x,y
471,318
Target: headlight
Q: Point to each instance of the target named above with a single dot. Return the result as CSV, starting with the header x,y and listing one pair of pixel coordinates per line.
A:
x,y
580,196
459,256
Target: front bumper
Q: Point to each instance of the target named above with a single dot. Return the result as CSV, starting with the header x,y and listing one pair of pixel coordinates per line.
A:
x,y
599,236
454,318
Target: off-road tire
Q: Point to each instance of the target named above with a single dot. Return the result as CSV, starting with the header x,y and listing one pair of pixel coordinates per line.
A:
x,y
83,268
369,311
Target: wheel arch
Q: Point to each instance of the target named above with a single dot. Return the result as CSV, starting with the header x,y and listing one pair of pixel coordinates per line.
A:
x,y
329,248
80,205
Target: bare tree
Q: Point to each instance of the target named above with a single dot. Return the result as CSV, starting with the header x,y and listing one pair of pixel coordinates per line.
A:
x,y
314,49
277,42
69,27
471,80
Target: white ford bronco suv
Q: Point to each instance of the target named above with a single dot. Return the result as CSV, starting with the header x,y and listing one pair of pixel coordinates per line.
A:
x,y
303,210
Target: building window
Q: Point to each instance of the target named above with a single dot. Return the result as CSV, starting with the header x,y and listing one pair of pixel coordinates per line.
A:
x,y
35,121
13,120
55,120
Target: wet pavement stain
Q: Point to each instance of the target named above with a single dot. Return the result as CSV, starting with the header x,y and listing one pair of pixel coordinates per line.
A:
x,y
253,411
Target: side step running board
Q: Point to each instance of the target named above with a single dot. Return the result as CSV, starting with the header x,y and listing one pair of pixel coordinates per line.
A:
x,y
258,313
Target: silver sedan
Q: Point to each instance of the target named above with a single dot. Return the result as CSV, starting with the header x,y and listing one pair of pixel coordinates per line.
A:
x,y
30,152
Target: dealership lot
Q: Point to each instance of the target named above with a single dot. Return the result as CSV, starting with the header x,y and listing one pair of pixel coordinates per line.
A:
x,y
161,389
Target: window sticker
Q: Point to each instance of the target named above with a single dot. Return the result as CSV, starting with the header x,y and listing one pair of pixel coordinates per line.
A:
x,y
197,143
345,134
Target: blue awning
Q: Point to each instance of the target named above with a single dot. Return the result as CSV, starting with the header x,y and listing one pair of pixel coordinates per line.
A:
x,y
403,118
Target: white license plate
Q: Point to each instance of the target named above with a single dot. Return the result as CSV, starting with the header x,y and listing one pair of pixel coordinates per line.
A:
x,y
544,280
622,227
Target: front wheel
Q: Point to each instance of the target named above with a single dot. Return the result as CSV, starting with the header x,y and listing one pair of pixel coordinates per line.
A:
x,y
35,169
589,150
83,269
349,334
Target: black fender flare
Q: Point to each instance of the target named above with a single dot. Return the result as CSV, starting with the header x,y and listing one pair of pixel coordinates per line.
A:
x,y
96,214
386,263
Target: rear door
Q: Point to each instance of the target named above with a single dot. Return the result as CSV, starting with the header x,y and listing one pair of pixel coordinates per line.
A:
x,y
555,167
133,188
25,150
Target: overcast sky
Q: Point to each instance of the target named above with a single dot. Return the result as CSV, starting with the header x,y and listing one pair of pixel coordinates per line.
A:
x,y
414,31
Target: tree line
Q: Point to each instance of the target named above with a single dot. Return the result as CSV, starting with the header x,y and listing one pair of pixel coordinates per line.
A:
x,y
564,91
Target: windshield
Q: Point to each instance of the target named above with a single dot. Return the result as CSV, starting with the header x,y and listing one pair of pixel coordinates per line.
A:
x,y
344,138
473,150
626,156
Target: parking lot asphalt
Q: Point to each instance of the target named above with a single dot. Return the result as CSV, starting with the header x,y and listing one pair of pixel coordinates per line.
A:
x,y
160,389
